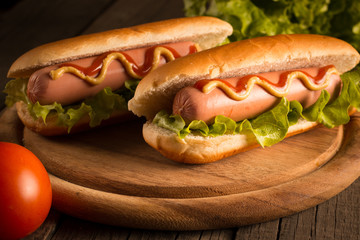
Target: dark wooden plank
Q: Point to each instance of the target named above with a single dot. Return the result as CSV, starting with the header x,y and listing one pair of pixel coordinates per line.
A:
x,y
339,218
73,228
152,235
218,234
348,213
260,231
190,235
298,226
48,228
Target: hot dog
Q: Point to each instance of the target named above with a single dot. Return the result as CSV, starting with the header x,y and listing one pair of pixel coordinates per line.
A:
x,y
192,104
225,100
68,89
86,81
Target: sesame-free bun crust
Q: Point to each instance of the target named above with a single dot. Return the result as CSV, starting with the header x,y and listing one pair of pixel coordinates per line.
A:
x,y
195,149
264,54
206,31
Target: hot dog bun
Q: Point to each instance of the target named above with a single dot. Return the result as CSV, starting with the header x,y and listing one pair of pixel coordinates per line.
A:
x,y
265,54
206,32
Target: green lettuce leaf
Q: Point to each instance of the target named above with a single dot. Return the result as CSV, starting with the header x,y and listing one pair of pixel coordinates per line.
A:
x,y
42,111
71,116
315,112
295,112
98,107
272,126
254,18
16,91
222,125
336,113
173,123
103,104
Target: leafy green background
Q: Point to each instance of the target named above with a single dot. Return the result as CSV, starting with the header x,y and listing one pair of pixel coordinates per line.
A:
x,y
338,18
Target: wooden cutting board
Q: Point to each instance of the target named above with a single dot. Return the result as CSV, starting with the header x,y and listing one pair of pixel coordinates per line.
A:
x,y
112,176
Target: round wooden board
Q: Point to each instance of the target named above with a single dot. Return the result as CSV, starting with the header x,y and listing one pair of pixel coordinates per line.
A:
x,y
112,176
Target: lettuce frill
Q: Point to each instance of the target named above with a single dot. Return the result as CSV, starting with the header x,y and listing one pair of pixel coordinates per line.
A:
x,y
254,18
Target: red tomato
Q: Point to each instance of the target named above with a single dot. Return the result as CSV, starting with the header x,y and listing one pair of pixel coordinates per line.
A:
x,y
25,191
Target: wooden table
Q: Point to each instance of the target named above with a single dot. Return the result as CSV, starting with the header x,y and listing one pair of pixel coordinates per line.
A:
x,y
29,23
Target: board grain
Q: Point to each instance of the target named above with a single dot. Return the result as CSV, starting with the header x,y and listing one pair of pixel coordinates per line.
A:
x,y
111,176
116,159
